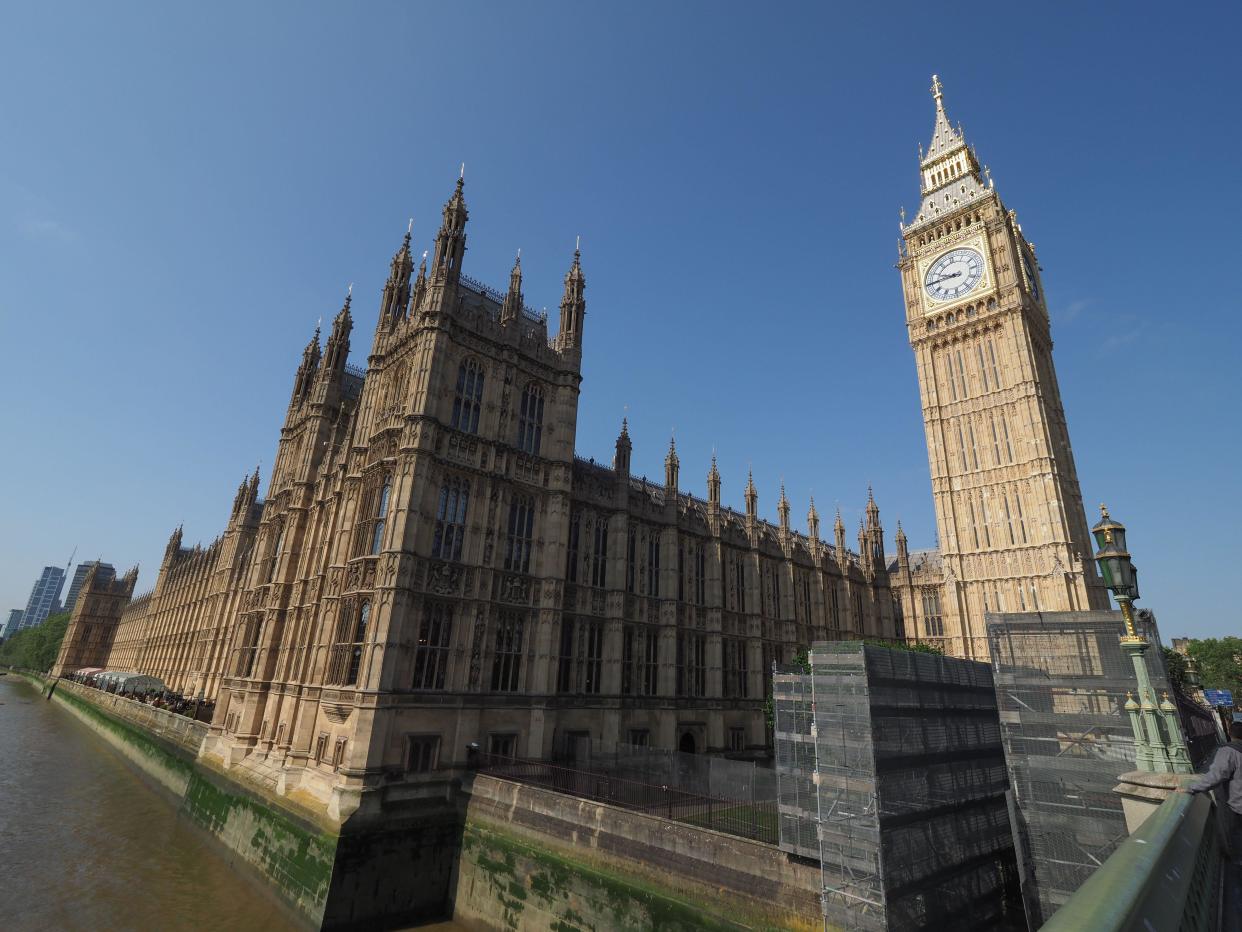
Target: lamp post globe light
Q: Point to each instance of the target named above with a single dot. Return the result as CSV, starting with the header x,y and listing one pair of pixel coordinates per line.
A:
x,y
1120,574
1157,749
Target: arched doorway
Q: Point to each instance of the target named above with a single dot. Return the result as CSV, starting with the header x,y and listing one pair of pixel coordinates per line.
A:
x,y
687,744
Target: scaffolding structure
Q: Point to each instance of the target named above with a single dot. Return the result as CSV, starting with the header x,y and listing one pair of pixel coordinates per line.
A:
x,y
892,776
1061,682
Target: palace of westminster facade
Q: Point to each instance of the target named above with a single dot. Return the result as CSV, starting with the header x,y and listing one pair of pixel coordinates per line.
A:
x,y
433,567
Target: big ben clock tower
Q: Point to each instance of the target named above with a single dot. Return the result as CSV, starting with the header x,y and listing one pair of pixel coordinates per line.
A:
x,y
1013,535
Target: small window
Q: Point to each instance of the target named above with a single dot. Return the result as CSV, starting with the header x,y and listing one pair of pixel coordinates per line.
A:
x,y
640,737
321,747
338,754
502,745
737,739
422,753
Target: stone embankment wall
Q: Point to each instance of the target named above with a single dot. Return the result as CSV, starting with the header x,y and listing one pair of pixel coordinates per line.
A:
x,y
291,853
502,856
535,860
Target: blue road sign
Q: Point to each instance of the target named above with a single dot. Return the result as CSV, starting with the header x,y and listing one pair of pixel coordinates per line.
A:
x,y
1216,697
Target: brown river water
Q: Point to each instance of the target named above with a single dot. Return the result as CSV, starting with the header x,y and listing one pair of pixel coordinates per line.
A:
x,y
86,842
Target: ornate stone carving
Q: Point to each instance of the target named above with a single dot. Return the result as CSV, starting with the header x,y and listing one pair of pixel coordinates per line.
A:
x,y
515,589
444,578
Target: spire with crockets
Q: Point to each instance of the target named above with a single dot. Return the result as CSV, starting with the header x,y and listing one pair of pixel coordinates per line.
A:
x,y
573,303
396,297
451,240
949,169
306,369
337,350
512,307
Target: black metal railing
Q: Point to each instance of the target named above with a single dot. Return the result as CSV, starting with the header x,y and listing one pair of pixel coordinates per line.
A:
x,y
756,820
1199,726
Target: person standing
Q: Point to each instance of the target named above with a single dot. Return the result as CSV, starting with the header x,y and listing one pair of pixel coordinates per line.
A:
x,y
1226,770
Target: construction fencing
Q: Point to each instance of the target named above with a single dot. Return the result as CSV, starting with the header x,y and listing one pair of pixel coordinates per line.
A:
x,y
1061,682
892,776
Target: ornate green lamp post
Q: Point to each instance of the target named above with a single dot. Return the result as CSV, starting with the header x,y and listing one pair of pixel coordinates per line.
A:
x,y
1157,749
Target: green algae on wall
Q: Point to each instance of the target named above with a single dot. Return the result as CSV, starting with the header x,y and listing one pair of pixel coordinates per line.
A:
x,y
508,883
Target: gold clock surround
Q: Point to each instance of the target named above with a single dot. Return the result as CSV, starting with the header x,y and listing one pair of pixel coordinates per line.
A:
x,y
977,242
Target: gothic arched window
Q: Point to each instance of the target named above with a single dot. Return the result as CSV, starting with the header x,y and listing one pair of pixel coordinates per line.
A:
x,y
469,396
451,519
530,419
359,639
373,513
278,534
521,532
381,516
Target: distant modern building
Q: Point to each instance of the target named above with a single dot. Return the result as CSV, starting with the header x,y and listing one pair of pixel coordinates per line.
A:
x,y
106,571
44,597
14,622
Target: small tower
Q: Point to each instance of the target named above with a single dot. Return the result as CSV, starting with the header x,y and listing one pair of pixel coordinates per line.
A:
x,y
875,531
419,293
812,530
174,545
752,498
336,352
838,534
396,297
713,485
621,460
307,368
573,305
512,307
451,240
782,510
903,551
672,467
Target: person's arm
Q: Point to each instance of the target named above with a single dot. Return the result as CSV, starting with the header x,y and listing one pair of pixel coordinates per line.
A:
x,y
1221,771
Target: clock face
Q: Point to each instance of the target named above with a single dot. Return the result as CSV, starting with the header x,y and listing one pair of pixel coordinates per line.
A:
x,y
1030,275
954,274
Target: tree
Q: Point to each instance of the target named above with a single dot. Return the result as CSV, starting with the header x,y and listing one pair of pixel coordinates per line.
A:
x,y
1220,663
36,648
1175,666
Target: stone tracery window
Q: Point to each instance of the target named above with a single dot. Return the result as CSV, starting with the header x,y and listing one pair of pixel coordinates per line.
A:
x,y
507,662
468,398
376,498
435,637
933,622
599,555
530,420
451,519
345,660
520,534
733,667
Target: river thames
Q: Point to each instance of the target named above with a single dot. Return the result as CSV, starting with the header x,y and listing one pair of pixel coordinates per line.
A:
x,y
86,842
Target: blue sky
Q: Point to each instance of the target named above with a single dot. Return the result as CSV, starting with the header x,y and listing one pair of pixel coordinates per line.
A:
x,y
186,188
